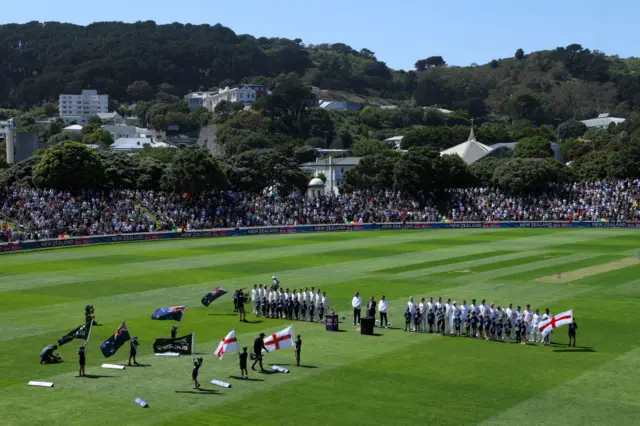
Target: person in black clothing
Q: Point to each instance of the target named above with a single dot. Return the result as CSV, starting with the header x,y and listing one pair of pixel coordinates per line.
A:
x,y
474,324
82,360
197,363
407,319
133,350
265,307
371,308
244,373
303,310
258,305
416,320
240,304
296,308
431,320
440,314
258,346
174,331
321,311
298,346
311,308
572,332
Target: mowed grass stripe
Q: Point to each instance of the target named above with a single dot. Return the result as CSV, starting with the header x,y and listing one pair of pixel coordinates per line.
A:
x,y
32,280
562,268
498,265
440,262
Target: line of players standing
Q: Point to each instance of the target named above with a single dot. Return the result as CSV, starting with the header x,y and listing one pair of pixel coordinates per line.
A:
x,y
473,320
303,305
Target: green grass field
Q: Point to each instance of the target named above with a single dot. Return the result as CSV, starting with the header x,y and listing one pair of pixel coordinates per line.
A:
x,y
393,378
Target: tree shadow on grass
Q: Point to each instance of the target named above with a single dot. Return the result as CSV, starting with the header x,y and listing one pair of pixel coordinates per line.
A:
x,y
248,380
201,391
291,365
139,365
253,322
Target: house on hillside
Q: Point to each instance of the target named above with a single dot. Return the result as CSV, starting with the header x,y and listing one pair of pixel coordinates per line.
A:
x,y
394,141
602,121
333,169
340,106
137,144
245,93
110,118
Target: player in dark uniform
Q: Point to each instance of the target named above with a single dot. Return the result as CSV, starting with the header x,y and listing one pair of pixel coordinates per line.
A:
x,y
258,347
296,308
303,310
274,309
474,323
258,305
311,309
431,319
519,326
499,324
416,321
244,373
265,307
197,363
480,325
82,360
240,303
321,311
572,332
488,331
440,315
457,322
407,319
298,347
133,350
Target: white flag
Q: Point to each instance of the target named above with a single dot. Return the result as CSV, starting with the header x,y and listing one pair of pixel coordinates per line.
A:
x,y
228,344
556,321
280,340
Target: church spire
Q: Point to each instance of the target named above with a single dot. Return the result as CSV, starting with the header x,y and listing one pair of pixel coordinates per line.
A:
x,y
472,135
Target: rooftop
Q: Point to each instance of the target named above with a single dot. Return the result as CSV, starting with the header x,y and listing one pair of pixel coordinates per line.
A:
x,y
337,162
470,151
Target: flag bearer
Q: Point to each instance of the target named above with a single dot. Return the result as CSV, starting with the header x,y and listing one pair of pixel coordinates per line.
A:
x,y
82,360
298,346
572,332
197,363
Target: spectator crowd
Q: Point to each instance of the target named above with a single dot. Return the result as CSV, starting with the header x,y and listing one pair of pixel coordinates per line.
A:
x,y
38,214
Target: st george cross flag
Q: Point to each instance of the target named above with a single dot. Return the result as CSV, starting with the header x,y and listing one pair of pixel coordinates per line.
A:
x,y
113,343
555,321
228,344
213,295
81,332
280,340
169,313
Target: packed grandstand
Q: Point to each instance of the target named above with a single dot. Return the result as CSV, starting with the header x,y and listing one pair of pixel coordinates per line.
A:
x,y
28,214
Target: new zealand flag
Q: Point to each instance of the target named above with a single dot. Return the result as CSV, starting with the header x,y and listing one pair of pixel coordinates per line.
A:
x,y
113,343
169,313
213,295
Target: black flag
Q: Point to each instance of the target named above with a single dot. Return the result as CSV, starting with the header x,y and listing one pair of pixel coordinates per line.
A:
x,y
183,345
213,295
81,332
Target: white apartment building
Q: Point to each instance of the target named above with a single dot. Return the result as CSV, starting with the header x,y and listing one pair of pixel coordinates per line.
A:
x,y
4,129
120,131
246,93
80,107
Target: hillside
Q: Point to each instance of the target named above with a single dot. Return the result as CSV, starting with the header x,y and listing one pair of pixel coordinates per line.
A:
x,y
40,60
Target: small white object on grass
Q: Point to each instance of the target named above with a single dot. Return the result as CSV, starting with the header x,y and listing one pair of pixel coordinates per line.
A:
x,y
141,402
221,383
41,384
279,369
169,354
113,366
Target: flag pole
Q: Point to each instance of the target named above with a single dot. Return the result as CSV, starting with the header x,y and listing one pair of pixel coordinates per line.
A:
x,y
183,314
89,334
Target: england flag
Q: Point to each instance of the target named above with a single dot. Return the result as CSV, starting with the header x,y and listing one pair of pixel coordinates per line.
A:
x,y
228,344
280,340
555,321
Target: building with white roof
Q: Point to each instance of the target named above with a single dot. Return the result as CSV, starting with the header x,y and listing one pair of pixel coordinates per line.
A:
x,y
602,121
119,131
245,93
394,141
333,169
73,128
470,151
110,117
80,107
137,144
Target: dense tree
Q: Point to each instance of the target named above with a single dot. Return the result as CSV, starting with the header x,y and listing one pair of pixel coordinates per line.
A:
x,y
365,147
226,108
373,172
193,170
19,174
524,175
519,54
69,165
140,90
99,137
535,147
571,129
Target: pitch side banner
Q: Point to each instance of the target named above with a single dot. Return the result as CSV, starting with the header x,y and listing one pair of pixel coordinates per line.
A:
x,y
183,345
106,239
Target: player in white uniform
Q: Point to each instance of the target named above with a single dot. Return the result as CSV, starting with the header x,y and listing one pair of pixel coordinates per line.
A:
x,y
254,295
535,322
464,314
509,322
491,333
412,309
422,308
528,322
449,316
325,302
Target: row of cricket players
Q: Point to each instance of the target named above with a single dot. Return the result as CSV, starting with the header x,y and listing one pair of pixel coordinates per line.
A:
x,y
490,322
309,299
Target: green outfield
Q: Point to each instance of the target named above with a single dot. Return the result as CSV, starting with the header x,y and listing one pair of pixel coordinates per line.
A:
x,y
347,378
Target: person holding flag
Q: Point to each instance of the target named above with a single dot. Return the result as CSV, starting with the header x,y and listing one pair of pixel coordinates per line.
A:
x,y
554,321
258,347
133,351
242,356
228,344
